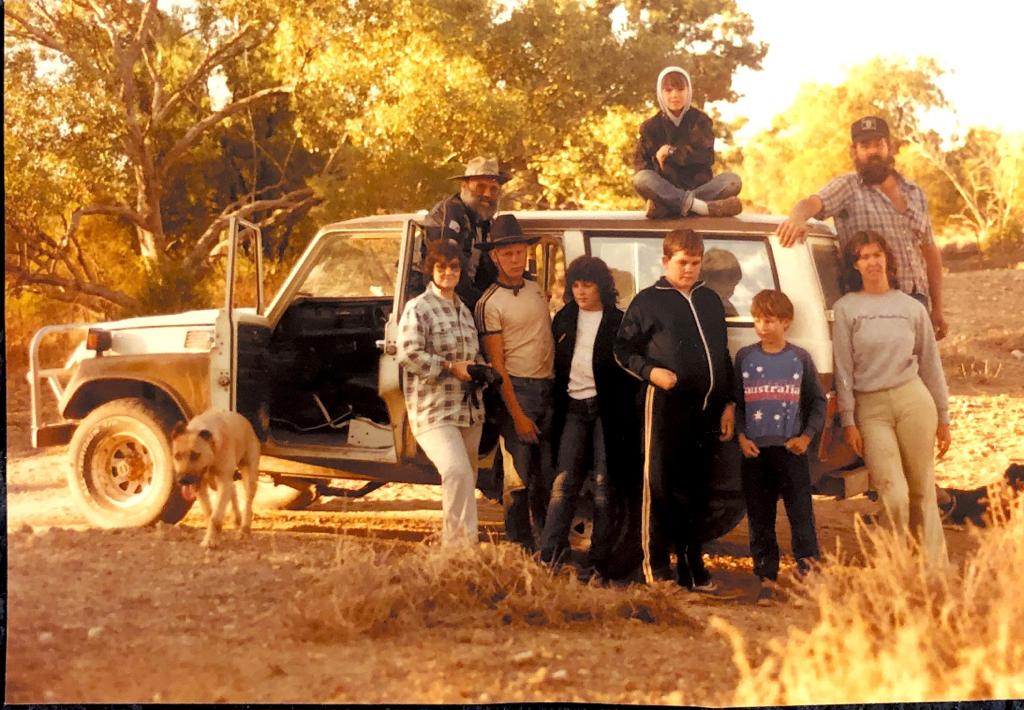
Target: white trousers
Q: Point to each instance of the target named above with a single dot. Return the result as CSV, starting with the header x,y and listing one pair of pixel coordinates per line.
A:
x,y
453,451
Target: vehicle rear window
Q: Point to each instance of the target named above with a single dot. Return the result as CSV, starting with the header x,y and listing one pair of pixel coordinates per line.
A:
x,y
826,261
735,268
354,266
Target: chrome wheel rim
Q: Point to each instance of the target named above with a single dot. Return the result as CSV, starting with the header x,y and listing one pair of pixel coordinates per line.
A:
x,y
121,470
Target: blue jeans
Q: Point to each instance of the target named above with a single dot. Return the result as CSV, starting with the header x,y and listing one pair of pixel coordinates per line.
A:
x,y
652,186
581,435
527,467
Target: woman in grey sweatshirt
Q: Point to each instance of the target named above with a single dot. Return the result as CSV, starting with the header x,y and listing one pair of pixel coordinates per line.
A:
x,y
893,401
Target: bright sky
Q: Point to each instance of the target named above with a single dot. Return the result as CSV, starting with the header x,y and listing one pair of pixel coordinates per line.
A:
x,y
979,42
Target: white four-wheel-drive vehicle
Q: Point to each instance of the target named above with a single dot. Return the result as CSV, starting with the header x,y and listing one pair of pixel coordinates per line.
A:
x,y
315,368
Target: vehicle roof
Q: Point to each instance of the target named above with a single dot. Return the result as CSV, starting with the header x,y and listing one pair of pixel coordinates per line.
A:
x,y
599,219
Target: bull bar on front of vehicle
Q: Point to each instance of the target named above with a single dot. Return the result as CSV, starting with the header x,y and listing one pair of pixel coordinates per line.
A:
x,y
48,434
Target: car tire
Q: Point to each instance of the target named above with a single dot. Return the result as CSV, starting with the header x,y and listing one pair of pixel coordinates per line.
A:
x,y
121,473
624,551
726,504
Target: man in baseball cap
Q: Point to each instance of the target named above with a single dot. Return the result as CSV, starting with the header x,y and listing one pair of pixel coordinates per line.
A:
x,y
869,127
466,218
878,198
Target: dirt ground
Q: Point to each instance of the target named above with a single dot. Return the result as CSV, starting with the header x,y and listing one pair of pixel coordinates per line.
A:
x,y
144,615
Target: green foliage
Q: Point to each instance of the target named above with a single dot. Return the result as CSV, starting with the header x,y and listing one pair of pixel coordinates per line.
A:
x,y
168,287
808,143
403,93
975,181
391,97
986,171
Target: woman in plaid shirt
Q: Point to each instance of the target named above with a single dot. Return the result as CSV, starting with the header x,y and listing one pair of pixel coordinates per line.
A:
x,y
437,342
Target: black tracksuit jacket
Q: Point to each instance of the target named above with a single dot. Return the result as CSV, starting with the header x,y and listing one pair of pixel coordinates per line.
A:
x,y
687,335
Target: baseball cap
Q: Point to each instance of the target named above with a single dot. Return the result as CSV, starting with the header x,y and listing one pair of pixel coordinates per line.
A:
x,y
869,127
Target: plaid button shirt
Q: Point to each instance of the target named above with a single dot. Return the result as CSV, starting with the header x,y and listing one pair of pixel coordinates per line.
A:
x,y
856,206
433,329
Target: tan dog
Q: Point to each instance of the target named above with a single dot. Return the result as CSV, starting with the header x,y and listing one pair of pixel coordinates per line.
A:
x,y
206,454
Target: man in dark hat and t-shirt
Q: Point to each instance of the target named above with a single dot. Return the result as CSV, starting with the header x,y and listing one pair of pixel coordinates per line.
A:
x,y
515,329
466,218
879,199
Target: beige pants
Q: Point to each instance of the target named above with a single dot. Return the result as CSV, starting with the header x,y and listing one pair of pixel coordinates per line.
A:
x,y
898,427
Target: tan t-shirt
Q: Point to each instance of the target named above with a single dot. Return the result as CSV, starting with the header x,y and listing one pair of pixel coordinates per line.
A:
x,y
521,316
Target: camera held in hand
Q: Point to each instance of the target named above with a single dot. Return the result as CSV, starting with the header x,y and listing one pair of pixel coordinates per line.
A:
x,y
484,375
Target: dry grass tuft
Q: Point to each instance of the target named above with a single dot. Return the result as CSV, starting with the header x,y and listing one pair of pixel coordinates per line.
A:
x,y
970,369
894,631
373,592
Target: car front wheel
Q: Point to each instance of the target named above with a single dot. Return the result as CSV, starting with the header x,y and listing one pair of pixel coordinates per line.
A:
x,y
121,473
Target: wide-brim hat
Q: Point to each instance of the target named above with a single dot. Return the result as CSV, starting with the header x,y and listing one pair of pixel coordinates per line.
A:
x,y
481,167
505,230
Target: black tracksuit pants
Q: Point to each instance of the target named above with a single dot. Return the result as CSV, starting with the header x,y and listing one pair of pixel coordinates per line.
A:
x,y
679,441
777,472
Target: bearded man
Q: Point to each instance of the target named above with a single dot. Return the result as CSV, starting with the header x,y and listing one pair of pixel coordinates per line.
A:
x,y
878,198
465,217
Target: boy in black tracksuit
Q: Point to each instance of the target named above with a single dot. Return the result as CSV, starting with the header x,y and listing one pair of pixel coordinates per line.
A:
x,y
674,337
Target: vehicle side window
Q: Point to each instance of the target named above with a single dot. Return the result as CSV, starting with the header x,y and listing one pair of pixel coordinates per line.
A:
x,y
355,266
734,268
826,261
547,264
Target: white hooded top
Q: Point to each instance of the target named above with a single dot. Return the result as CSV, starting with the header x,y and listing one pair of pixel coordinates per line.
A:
x,y
661,100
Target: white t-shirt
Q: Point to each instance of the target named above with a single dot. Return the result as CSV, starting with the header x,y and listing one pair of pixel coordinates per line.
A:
x,y
581,373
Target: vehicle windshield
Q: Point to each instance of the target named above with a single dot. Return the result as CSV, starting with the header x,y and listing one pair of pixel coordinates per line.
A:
x,y
354,266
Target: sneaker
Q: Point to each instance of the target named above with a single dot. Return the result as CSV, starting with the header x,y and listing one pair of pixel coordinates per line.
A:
x,y
708,587
804,566
728,207
656,210
765,595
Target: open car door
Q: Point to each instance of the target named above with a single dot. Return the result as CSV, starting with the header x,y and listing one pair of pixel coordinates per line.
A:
x,y
408,284
335,399
239,359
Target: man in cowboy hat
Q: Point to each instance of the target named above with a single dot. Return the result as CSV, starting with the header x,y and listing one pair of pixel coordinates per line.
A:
x,y
878,198
466,218
515,329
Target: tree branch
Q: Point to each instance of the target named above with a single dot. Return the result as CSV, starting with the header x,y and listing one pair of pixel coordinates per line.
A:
x,y
196,131
123,211
158,86
303,198
230,48
32,34
21,276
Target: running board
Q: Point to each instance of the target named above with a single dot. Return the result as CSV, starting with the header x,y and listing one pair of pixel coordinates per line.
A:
x,y
324,490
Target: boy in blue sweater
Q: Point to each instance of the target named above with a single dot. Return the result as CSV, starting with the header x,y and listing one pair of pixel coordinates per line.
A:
x,y
779,409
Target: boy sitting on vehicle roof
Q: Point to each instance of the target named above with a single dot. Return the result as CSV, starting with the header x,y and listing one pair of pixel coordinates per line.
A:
x,y
674,157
